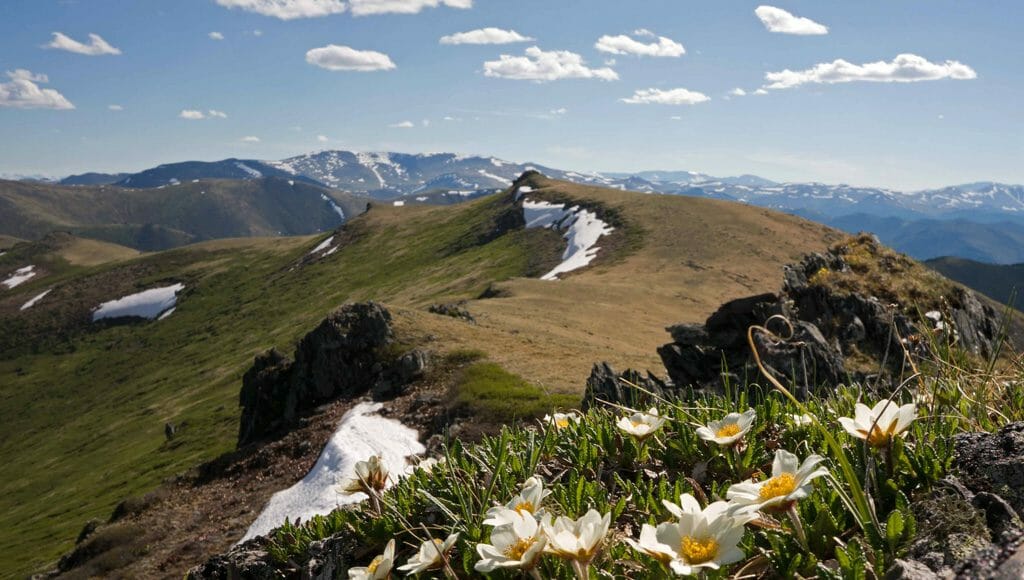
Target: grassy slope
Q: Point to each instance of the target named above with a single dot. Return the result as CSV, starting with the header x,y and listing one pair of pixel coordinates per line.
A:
x,y
996,281
83,429
184,213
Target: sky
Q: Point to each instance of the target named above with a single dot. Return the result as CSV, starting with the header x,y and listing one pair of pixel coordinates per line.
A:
x,y
907,95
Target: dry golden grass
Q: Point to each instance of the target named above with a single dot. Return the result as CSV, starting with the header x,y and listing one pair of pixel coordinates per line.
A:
x,y
86,252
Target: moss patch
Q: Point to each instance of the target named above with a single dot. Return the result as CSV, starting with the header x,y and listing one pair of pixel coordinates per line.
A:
x,y
490,393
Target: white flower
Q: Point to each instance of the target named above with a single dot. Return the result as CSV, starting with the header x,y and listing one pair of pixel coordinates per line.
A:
x,y
371,476
528,502
801,420
431,556
729,430
516,544
881,424
641,425
561,420
707,538
790,481
578,540
379,568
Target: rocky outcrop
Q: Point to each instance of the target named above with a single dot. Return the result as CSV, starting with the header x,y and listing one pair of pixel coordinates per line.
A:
x,y
631,388
348,354
828,323
452,309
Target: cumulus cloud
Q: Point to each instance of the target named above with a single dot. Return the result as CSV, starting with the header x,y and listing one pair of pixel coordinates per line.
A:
x,y
542,66
489,35
760,92
216,35
115,107
778,20
334,57
622,44
191,115
288,9
251,139
96,47
738,92
669,97
402,125
23,92
369,7
218,114
905,68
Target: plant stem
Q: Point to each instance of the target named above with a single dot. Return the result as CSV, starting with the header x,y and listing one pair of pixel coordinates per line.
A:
x,y
798,528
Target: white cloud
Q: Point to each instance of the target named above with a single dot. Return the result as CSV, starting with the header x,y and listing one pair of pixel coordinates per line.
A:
x,y
115,107
905,68
257,32
334,57
559,111
96,47
23,92
368,7
251,139
288,9
489,35
738,92
191,115
760,92
669,97
216,35
322,138
778,20
676,118
449,118
218,114
622,44
402,125
542,66
643,32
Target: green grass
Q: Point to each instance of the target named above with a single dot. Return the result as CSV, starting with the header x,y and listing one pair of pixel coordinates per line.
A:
x,y
489,393
81,418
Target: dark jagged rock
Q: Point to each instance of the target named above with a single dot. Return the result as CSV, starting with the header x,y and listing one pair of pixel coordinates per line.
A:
x,y
827,326
344,356
249,560
452,309
995,462
606,385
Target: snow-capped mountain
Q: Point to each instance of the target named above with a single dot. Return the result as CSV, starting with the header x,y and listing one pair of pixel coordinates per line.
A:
x,y
176,173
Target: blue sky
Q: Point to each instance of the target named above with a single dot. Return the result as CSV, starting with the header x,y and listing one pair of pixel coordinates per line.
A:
x,y
960,121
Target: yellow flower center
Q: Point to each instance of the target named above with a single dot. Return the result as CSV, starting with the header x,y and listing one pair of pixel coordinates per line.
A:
x,y
728,430
637,423
778,486
698,551
374,565
525,506
516,550
562,423
879,437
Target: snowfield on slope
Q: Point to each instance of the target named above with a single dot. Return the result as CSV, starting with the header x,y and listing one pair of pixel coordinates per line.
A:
x,y
35,300
147,304
19,277
323,246
582,229
360,435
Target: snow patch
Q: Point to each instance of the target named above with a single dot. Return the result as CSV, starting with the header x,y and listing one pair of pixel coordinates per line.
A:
x,y
581,229
252,172
360,435
146,304
323,245
420,198
291,182
34,301
497,178
334,206
399,203
19,277
523,190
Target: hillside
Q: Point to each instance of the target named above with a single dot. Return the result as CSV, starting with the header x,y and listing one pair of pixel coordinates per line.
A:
x,y
1002,283
161,218
83,394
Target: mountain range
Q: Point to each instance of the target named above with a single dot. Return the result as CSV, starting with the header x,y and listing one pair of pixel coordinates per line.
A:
x,y
970,221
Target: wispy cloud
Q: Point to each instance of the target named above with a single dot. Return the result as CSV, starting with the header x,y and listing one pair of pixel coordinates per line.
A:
x,y
343,58
738,92
250,139
663,97
23,92
542,66
322,138
115,107
198,115
370,7
213,113
96,47
489,35
288,9
216,35
781,21
905,68
622,44
402,125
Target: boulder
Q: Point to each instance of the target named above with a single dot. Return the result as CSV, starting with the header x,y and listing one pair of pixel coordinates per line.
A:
x,y
607,386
